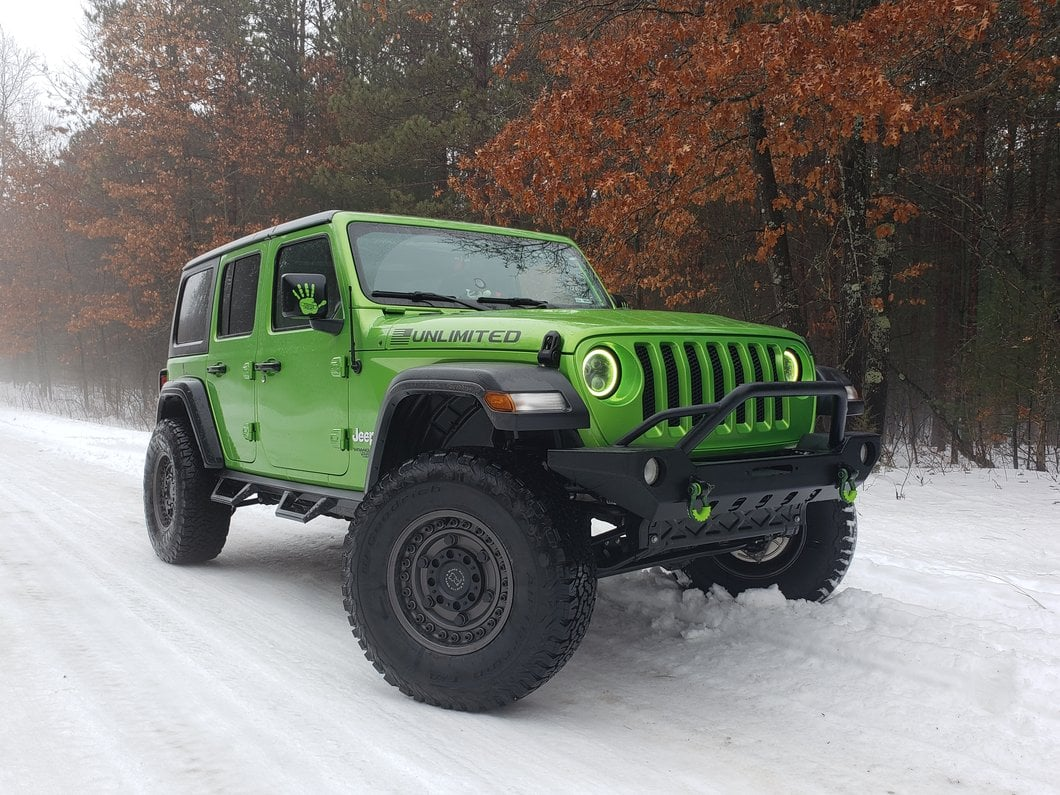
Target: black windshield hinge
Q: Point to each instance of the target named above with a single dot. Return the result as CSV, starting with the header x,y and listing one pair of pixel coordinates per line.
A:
x,y
551,346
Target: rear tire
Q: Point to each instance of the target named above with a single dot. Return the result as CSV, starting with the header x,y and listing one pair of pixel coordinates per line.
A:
x,y
808,565
184,525
465,588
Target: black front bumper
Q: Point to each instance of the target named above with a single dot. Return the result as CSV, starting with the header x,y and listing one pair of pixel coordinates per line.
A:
x,y
750,497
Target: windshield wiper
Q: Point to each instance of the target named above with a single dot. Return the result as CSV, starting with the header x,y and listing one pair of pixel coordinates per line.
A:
x,y
531,302
417,295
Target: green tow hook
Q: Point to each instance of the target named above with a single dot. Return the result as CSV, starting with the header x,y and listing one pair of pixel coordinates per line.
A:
x,y
698,507
848,490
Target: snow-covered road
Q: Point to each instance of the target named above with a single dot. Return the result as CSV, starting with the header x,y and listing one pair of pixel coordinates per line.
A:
x,y
936,667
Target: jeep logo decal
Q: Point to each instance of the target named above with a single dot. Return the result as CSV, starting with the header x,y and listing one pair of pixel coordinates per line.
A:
x,y
405,335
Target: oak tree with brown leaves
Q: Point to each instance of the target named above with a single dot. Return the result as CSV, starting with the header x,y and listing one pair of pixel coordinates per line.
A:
x,y
683,140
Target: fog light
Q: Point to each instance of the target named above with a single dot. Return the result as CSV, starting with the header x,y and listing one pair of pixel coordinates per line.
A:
x,y
652,470
866,453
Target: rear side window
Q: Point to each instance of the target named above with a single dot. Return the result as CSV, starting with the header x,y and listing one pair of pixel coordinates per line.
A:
x,y
192,318
239,292
305,256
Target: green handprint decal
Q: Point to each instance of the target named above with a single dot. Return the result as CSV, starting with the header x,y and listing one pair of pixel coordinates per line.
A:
x,y
306,295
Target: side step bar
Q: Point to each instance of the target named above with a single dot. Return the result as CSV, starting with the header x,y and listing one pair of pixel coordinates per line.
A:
x,y
235,493
292,506
236,489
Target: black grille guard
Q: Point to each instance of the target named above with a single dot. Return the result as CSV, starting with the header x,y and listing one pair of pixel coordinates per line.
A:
x,y
715,413
749,496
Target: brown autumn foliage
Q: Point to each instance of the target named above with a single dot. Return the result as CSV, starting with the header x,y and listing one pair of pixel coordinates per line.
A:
x,y
658,115
188,157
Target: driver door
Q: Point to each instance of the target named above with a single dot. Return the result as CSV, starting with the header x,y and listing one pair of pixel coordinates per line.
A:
x,y
302,381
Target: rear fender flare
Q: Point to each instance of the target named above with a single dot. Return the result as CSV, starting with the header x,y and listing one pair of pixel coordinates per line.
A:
x,y
187,396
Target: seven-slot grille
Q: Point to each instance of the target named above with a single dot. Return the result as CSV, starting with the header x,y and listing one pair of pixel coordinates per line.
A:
x,y
694,371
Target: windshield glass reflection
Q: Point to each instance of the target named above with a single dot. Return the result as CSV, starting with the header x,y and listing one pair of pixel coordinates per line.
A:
x,y
473,266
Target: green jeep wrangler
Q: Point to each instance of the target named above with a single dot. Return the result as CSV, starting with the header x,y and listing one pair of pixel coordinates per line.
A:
x,y
500,432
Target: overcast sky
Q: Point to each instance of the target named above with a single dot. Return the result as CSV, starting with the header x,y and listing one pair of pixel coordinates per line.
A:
x,y
51,28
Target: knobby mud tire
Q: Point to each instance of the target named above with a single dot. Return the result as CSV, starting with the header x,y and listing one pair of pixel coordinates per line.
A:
x,y
517,559
810,566
184,525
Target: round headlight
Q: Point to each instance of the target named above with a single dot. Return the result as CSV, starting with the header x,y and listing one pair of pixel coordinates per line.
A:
x,y
600,371
792,365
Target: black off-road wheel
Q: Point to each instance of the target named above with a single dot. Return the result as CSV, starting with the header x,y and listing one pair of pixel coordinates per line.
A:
x,y
808,565
184,525
464,583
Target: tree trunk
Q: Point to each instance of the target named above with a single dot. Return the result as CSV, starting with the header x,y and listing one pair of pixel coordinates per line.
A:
x,y
866,276
790,314
958,442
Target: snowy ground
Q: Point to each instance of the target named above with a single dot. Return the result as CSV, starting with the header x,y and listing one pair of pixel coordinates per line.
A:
x,y
935,668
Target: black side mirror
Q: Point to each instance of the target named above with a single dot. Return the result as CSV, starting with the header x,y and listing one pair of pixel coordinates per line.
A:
x,y
304,296
620,301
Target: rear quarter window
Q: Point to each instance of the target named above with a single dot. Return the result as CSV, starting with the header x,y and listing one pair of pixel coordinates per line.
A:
x,y
191,320
239,297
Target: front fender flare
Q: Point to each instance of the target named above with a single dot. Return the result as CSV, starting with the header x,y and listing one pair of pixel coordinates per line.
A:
x,y
475,380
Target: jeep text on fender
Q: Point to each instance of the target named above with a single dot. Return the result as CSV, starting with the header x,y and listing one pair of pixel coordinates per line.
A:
x,y
500,435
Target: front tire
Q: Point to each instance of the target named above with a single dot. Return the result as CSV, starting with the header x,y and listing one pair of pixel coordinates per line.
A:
x,y
465,587
184,525
808,565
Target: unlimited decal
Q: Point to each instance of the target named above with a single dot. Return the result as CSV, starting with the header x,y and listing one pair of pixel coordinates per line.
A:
x,y
405,335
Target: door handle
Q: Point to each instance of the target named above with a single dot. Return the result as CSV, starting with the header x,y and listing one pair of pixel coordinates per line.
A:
x,y
217,369
271,366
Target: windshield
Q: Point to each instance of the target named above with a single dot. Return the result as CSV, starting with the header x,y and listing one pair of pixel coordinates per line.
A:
x,y
472,266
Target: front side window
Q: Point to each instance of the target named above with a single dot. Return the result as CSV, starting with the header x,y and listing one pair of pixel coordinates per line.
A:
x,y
473,266
239,292
193,309
305,256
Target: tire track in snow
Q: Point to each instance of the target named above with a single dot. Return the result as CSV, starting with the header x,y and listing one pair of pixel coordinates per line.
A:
x,y
241,675
123,647
191,624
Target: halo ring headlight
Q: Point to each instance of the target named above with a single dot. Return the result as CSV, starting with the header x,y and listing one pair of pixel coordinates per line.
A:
x,y
601,372
792,365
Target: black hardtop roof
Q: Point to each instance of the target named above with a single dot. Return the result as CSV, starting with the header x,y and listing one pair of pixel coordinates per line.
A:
x,y
273,231
327,216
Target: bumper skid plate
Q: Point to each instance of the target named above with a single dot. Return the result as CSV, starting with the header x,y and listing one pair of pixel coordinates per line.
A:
x,y
693,507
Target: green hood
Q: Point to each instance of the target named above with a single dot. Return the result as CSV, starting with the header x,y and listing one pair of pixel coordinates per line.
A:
x,y
523,329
